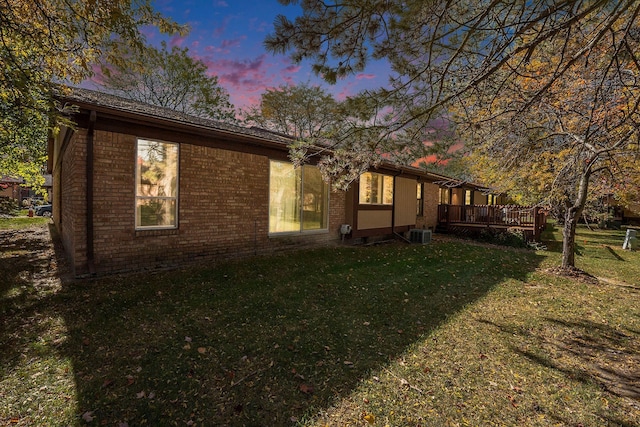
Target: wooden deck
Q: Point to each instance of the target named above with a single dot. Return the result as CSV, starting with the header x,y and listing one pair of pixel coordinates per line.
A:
x,y
529,219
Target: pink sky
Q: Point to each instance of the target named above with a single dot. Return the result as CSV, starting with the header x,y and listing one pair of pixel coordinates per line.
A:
x,y
228,37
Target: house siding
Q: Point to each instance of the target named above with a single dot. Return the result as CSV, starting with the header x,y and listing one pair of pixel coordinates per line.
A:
x,y
223,208
405,199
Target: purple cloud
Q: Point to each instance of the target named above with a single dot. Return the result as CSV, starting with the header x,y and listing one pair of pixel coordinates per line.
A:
x,y
177,41
292,69
229,43
363,76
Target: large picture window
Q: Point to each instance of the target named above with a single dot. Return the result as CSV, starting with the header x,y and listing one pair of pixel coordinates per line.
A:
x,y
298,198
156,184
376,189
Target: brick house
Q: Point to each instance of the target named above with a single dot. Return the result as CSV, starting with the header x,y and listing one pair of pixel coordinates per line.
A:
x,y
137,186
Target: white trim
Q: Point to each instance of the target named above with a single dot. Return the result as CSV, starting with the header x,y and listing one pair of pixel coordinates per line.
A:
x,y
176,197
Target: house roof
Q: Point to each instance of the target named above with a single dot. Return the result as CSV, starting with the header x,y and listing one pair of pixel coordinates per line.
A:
x,y
102,102
11,180
91,98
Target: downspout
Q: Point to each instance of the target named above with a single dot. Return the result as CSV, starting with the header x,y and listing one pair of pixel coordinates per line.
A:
x,y
89,176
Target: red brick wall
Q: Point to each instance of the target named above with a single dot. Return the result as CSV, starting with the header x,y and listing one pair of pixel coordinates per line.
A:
x,y
69,203
222,213
430,207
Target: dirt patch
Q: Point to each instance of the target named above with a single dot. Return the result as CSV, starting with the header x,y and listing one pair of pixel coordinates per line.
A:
x,y
573,273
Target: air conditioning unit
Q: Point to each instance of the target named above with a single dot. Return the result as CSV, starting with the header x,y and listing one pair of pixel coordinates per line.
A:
x,y
420,236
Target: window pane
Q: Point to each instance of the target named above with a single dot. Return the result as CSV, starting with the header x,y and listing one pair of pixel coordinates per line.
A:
x,y
157,169
314,204
376,189
151,212
444,196
388,190
365,188
284,197
156,184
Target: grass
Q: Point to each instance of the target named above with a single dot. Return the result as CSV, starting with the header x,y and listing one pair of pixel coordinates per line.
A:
x,y
450,333
22,222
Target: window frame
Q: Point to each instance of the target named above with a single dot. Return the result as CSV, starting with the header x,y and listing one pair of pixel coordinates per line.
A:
x,y
420,199
137,197
383,178
468,197
301,204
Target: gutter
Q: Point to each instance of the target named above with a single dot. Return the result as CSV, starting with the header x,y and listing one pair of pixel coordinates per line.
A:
x,y
393,203
89,206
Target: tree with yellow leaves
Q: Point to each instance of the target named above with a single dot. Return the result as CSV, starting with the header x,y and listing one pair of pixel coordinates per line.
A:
x,y
511,70
558,142
47,42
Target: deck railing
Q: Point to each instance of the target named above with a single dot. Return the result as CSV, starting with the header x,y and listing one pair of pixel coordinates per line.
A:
x,y
526,217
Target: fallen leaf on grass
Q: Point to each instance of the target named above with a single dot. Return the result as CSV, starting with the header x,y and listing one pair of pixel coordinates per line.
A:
x,y
202,350
369,418
515,388
141,394
88,416
306,388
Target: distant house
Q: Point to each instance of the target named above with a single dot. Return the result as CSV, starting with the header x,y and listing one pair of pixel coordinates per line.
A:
x,y
11,187
629,215
137,186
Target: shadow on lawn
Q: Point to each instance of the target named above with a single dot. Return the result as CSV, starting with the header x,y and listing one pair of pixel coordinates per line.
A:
x,y
606,356
585,351
265,341
27,265
552,237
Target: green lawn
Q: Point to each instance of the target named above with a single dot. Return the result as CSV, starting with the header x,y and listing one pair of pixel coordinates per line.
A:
x,y
21,222
451,333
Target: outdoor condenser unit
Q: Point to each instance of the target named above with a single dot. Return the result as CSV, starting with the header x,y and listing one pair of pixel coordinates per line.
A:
x,y
420,236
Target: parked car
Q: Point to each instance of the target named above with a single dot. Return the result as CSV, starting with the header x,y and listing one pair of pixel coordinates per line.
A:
x,y
43,210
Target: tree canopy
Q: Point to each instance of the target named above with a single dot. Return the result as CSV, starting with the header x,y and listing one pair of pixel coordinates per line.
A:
x,y
301,111
45,43
171,79
440,52
544,93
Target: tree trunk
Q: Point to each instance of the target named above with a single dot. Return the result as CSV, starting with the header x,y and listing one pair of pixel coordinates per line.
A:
x,y
571,218
569,238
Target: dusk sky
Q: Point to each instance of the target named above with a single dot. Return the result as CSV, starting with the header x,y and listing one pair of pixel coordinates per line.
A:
x,y
228,35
